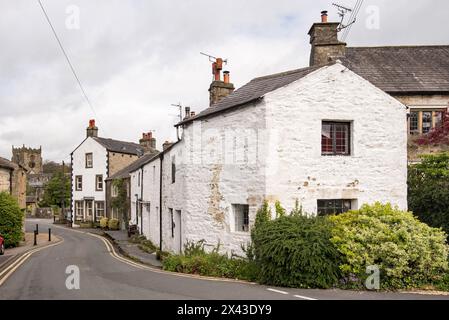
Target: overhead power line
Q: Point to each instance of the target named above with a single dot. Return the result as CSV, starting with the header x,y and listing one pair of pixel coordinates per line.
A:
x,y
352,19
68,60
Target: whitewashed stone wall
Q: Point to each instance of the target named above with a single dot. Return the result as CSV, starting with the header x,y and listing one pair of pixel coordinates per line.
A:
x,y
376,170
272,150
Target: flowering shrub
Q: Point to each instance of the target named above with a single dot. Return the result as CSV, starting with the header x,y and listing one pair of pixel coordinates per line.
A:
x,y
408,252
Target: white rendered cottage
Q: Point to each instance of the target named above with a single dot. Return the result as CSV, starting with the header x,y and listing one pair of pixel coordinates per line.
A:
x,y
94,160
322,135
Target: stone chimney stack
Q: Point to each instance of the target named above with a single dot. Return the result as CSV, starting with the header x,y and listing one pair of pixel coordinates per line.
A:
x,y
92,130
148,142
324,40
166,145
218,88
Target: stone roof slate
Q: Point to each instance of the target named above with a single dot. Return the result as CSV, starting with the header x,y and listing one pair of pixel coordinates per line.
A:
x,y
120,146
124,173
253,90
5,163
402,69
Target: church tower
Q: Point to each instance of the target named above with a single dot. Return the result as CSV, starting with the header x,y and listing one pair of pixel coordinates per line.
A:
x,y
29,158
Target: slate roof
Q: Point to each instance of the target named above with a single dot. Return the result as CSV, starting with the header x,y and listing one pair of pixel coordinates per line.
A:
x,y
120,146
253,90
402,69
395,70
5,163
124,173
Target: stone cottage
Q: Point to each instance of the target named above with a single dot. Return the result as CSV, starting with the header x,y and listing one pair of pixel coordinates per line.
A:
x,y
316,134
13,180
333,136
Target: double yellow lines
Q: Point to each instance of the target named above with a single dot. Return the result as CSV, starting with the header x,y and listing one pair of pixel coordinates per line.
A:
x,y
9,270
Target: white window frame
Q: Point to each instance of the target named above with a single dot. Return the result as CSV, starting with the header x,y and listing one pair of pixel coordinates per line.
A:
x,y
78,183
97,210
98,182
89,160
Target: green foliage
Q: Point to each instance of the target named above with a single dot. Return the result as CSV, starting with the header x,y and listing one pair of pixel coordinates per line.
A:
x,y
113,224
56,191
408,252
161,255
195,260
137,238
297,210
428,190
11,220
104,223
86,224
263,215
295,251
280,211
120,202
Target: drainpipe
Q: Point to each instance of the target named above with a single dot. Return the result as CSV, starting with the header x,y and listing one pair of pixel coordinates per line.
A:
x,y
141,203
11,177
160,201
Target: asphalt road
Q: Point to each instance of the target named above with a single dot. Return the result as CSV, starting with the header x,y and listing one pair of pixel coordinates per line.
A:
x,y
102,276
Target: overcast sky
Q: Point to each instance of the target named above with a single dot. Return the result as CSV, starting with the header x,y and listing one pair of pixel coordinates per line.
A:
x,y
137,57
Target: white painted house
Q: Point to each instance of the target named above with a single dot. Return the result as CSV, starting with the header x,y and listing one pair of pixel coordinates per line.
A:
x,y
94,160
322,135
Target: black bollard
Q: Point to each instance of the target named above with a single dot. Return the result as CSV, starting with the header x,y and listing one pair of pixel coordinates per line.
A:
x,y
37,228
35,238
49,234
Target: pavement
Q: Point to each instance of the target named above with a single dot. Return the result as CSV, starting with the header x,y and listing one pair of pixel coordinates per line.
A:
x,y
103,274
27,245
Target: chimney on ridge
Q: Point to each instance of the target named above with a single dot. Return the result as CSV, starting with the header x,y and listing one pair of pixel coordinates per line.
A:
x,y
324,40
218,88
148,142
92,130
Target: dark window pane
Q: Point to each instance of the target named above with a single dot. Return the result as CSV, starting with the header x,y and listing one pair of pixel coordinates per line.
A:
x,y
335,138
333,206
413,122
426,121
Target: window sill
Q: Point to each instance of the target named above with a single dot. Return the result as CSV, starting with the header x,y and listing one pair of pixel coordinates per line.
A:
x,y
241,233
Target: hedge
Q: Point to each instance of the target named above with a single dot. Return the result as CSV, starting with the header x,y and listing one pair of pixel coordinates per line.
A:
x,y
11,220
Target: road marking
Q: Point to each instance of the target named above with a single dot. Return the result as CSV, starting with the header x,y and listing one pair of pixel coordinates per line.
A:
x,y
16,264
277,291
304,297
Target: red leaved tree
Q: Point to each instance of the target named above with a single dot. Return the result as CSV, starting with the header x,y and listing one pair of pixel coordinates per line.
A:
x,y
438,135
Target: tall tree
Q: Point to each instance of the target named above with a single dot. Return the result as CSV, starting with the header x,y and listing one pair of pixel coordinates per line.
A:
x,y
56,191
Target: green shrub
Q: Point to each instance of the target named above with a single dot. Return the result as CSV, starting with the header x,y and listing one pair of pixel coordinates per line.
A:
x,y
11,220
104,222
147,246
86,224
195,260
295,251
113,224
137,238
408,252
428,190
280,211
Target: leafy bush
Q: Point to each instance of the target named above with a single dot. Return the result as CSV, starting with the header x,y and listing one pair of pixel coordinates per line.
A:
x,y
295,251
408,252
113,224
11,220
428,190
280,211
196,260
137,238
104,222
